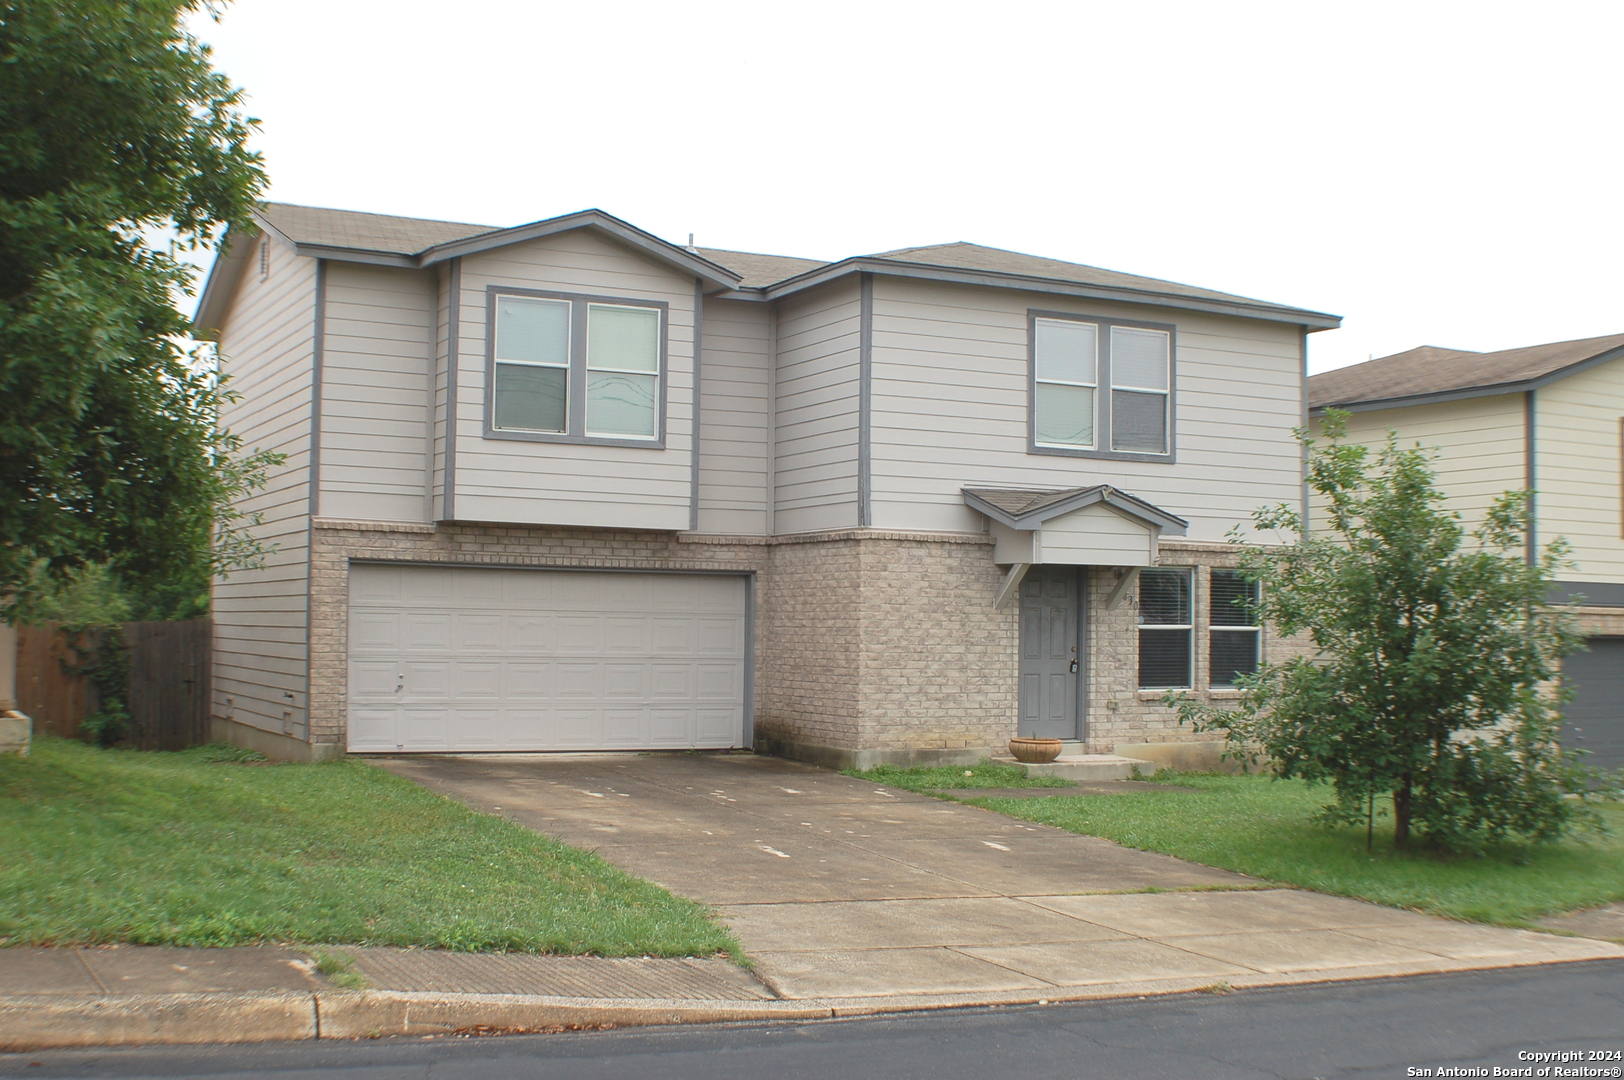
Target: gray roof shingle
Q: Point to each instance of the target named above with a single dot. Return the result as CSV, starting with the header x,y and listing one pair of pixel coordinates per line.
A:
x,y
364,232
759,270
1429,370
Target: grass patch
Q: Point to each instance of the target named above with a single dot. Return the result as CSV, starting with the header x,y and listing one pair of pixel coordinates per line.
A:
x,y
1260,827
213,846
339,969
988,774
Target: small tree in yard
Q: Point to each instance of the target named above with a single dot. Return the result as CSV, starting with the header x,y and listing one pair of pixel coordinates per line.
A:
x,y
1434,645
114,128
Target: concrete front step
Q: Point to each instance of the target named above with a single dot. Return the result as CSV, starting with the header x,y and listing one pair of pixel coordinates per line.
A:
x,y
1088,767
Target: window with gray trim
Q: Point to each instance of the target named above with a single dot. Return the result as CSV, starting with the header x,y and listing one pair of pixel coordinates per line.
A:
x,y
1101,387
1234,635
1166,629
575,367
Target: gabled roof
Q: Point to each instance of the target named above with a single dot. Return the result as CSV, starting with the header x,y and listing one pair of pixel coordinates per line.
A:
x,y
352,236
1028,508
1429,373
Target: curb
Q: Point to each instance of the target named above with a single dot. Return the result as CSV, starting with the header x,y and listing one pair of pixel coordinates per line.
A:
x,y
60,1021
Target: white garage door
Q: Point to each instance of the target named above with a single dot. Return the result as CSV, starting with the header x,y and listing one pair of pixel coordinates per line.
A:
x,y
468,660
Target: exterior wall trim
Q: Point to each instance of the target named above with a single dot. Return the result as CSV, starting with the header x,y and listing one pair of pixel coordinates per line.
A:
x,y
695,410
448,497
865,400
1531,477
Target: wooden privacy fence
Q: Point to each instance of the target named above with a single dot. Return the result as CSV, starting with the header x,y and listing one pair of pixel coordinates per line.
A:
x,y
167,695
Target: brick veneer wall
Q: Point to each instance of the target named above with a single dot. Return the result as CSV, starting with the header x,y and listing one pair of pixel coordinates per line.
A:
x,y
868,641
1119,712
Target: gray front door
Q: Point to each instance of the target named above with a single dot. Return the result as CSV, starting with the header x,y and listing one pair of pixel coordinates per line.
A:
x,y
1594,719
1050,657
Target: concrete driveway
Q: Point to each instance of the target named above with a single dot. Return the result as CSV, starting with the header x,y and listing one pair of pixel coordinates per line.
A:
x,y
840,888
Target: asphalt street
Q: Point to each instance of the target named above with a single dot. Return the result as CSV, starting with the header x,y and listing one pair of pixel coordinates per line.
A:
x,y
1381,1028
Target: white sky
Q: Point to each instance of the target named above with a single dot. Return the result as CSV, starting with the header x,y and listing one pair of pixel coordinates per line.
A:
x,y
1436,173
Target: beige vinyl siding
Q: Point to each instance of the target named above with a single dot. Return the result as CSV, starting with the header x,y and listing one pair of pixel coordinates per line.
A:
x,y
437,392
260,615
508,480
376,363
815,471
734,427
1479,443
1577,469
950,410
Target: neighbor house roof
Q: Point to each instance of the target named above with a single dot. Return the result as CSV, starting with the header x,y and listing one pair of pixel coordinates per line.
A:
x,y
1027,508
1429,373
353,236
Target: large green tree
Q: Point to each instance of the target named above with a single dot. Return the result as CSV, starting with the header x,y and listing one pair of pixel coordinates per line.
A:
x,y
1434,655
120,149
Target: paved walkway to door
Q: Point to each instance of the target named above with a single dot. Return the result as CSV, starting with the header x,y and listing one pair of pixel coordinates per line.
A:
x,y
842,889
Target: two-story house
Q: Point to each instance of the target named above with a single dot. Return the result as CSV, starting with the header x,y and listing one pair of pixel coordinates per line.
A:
x,y
1546,418
568,486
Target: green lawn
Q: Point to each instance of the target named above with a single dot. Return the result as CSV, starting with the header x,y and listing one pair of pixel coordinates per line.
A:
x,y
1257,826
205,848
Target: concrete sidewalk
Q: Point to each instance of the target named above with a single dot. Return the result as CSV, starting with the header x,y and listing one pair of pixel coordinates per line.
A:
x,y
852,899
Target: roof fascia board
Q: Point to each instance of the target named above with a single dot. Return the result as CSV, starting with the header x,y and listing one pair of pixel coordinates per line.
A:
x,y
1314,320
594,219
1495,390
356,255
230,263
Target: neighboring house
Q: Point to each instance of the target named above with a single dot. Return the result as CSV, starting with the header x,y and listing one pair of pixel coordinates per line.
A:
x,y
1549,419
568,486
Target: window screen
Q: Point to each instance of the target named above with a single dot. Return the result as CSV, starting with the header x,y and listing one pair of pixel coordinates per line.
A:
x,y
622,371
1065,370
1165,629
531,391
1234,632
1139,385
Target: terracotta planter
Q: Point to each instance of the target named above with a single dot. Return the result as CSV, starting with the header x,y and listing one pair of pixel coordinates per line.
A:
x,y
1034,751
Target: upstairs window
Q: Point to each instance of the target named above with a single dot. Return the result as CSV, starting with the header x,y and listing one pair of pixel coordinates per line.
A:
x,y
1066,369
1101,387
1233,627
1166,629
567,368
1139,384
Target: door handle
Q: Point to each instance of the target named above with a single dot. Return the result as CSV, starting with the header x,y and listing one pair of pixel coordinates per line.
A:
x,y
401,683
1074,665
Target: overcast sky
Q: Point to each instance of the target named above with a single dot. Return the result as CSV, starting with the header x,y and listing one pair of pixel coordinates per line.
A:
x,y
1444,174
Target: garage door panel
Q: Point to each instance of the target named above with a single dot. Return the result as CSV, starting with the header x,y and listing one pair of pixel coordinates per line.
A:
x,y
670,727
719,637
512,659
425,632
374,630
719,682
374,679
715,723
372,730
478,634
425,586
625,729
625,681
580,634
578,729
476,680
529,634
671,681
626,635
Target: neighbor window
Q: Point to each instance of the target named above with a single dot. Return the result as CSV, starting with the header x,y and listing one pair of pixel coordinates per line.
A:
x,y
575,368
1165,629
1235,635
1101,387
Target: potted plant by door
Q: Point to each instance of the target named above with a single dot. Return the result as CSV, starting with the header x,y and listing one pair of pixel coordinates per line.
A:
x,y
1031,750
